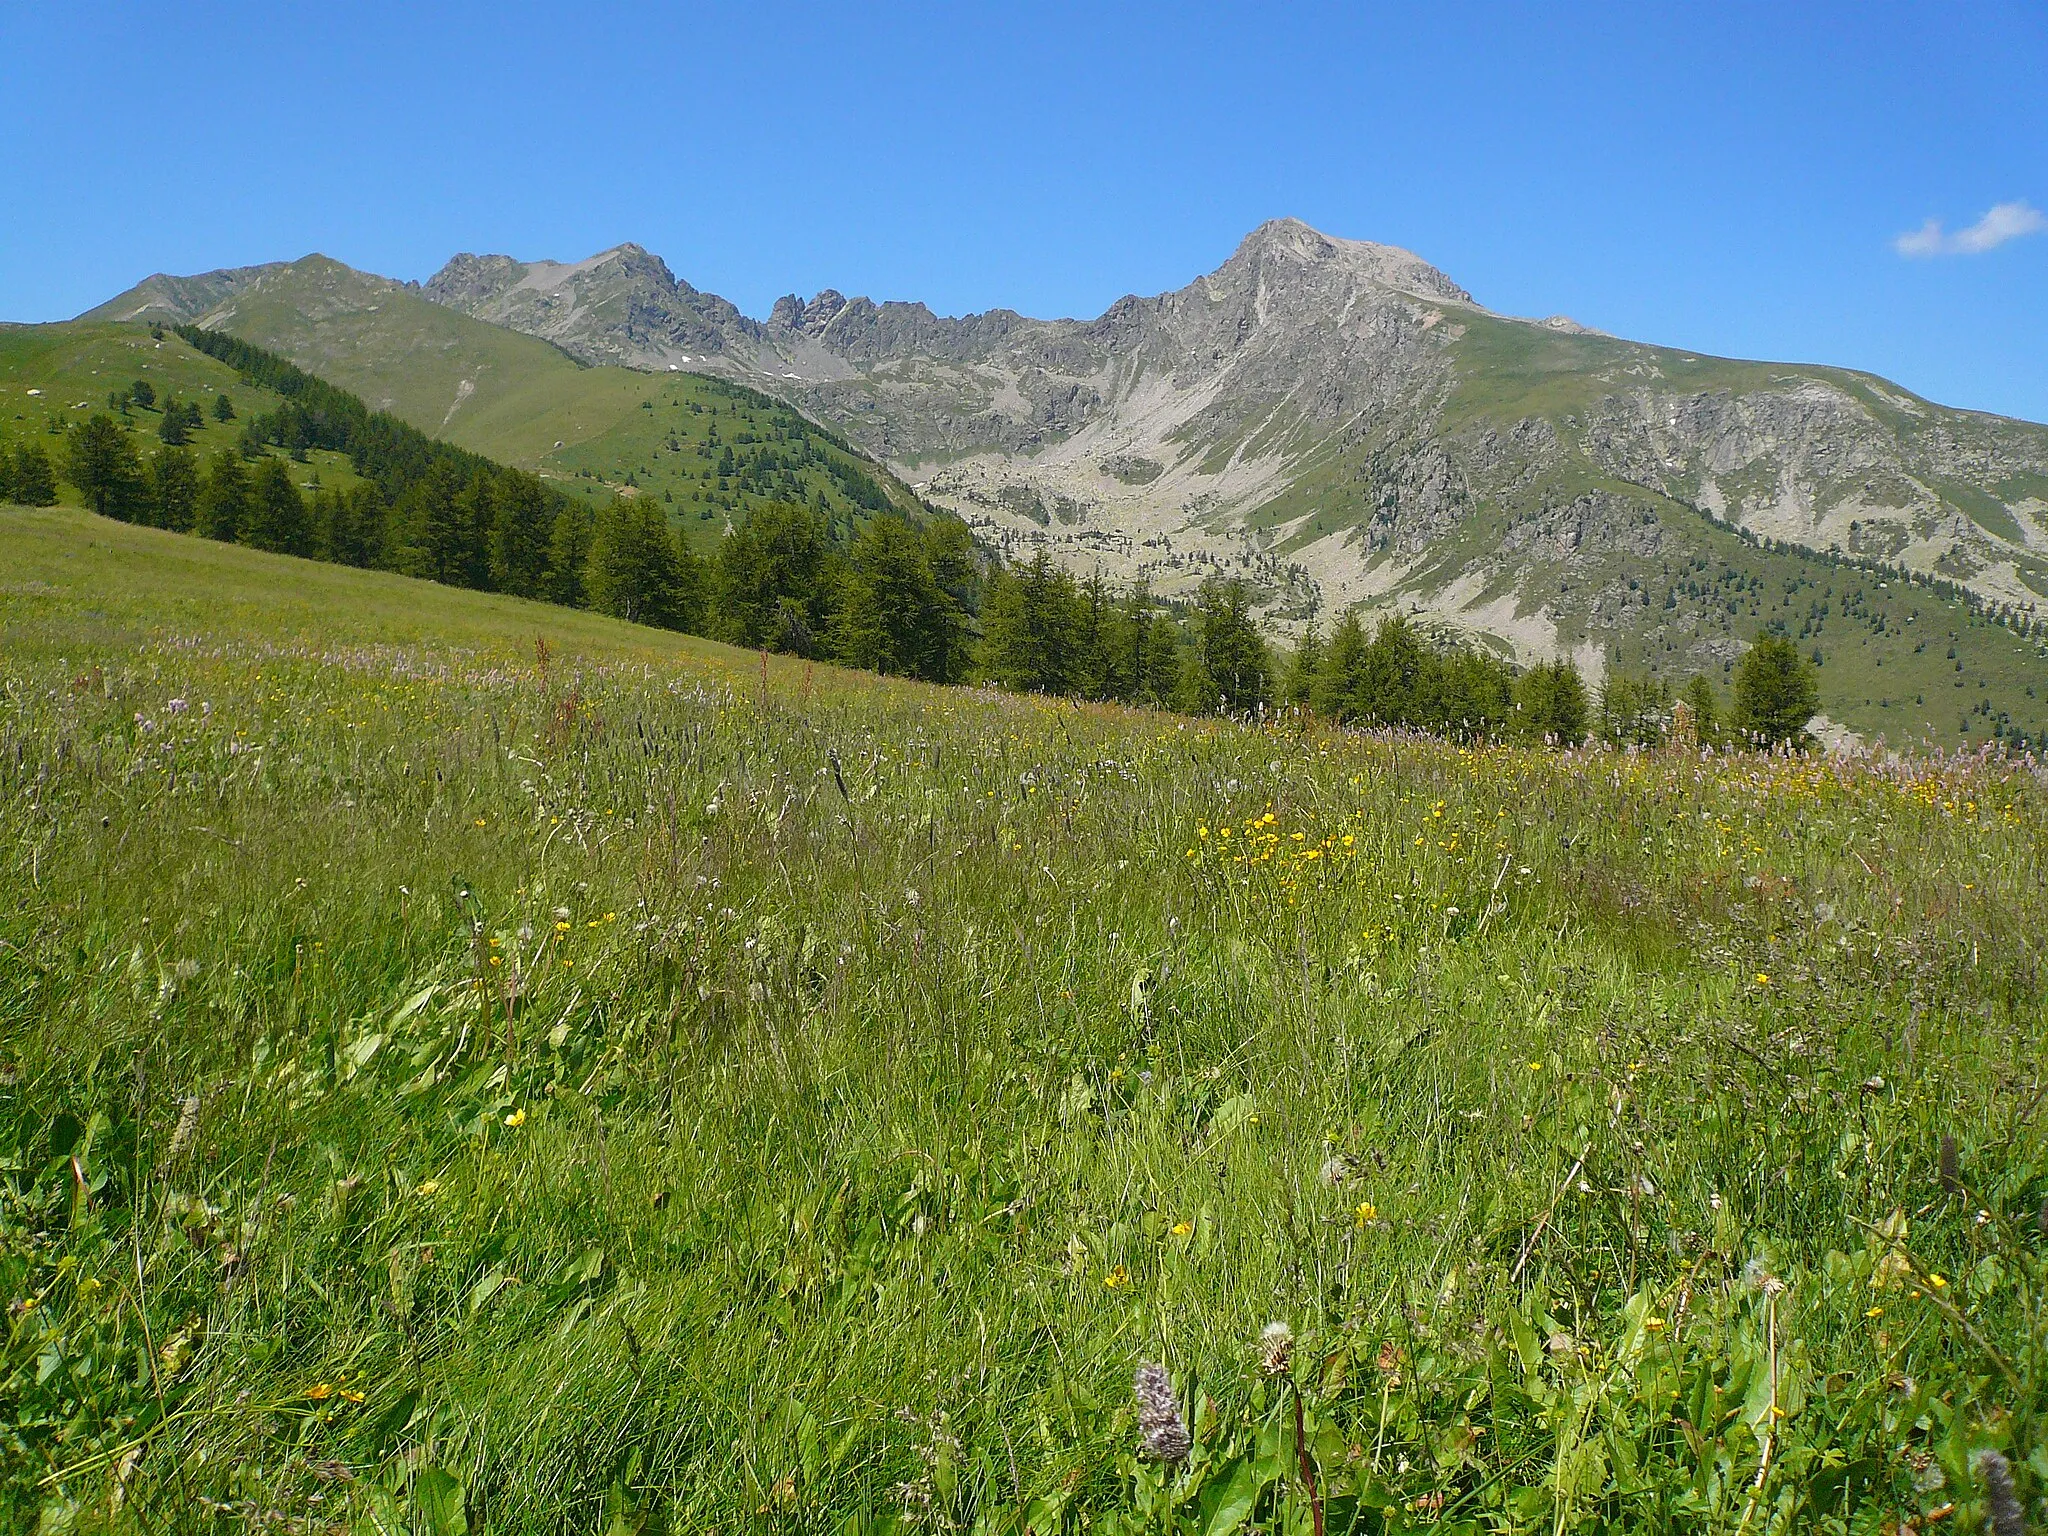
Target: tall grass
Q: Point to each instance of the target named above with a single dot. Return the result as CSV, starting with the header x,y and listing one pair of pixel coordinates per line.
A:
x,y
454,1082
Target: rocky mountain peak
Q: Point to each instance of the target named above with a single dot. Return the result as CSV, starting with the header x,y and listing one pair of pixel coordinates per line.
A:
x,y
1291,241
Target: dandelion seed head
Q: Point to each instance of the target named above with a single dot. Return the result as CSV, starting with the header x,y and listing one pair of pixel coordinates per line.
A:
x,y
1276,1348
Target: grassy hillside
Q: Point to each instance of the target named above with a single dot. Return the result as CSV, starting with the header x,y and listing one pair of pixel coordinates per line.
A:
x,y
466,1065
54,375
523,402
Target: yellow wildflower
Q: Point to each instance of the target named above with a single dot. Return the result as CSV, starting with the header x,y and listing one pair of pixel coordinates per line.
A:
x,y
516,1119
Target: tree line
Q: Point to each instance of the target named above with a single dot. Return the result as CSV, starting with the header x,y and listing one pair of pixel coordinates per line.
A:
x,y
896,596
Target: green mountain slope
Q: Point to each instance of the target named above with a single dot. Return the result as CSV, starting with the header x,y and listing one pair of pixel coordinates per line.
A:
x,y
54,375
521,401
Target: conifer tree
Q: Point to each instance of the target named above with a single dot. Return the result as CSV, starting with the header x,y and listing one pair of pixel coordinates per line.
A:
x,y
1551,699
1775,694
173,498
142,393
1706,708
223,497
223,407
568,554
35,483
775,581
1234,673
100,459
278,520
1301,673
171,429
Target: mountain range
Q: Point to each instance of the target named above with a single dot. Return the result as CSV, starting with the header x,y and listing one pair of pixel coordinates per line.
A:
x,y
1337,421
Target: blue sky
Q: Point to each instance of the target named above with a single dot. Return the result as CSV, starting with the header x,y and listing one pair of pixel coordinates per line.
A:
x,y
1732,178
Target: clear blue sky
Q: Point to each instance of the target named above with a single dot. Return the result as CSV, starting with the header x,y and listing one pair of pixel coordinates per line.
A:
x,y
1728,177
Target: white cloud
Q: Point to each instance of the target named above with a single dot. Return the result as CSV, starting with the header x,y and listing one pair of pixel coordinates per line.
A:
x,y
2007,221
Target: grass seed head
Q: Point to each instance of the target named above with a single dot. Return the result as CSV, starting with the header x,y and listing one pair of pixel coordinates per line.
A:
x,y
187,1128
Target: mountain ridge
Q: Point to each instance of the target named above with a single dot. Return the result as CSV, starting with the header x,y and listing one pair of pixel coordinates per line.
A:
x,y
1344,425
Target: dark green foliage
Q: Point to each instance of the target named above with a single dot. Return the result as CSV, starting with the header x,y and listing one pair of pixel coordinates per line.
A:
x,y
1301,675
1029,628
1634,711
1775,694
896,615
776,575
35,482
1706,709
568,551
223,408
278,520
173,499
181,418
1396,679
100,459
638,571
223,498
1232,673
142,392
1552,701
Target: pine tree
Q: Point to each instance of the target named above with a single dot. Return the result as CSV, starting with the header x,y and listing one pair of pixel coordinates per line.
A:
x,y
1706,708
278,520
223,408
1301,673
100,459
35,483
775,581
171,429
1234,669
636,570
1334,692
173,498
1551,699
568,555
223,498
1775,694
142,393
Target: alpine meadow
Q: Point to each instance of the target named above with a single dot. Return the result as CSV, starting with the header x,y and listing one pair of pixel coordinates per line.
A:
x,y
1301,909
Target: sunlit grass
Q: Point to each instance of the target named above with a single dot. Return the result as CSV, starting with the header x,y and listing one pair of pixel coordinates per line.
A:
x,y
460,1058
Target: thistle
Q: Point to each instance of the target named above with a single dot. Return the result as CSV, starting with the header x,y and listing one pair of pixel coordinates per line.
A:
x,y
1162,1434
2002,1501
1276,1348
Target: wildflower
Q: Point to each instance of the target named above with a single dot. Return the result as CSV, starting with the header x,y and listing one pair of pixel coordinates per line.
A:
x,y
516,1119
1763,978
1368,1213
428,1188
1276,1348
1874,1313
320,1391
350,1396
1937,1282
1116,1277
1535,1066
2007,1519
1183,1229
1162,1433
